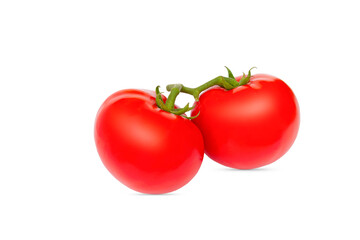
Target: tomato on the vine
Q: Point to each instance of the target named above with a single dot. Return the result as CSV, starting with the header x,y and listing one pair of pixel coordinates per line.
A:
x,y
248,126
146,148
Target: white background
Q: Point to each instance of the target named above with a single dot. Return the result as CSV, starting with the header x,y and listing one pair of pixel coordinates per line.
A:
x,y
59,60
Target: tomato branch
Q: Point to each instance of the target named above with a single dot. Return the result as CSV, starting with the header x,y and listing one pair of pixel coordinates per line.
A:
x,y
225,82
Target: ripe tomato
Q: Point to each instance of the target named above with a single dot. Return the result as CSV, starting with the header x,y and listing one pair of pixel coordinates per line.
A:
x,y
147,149
249,126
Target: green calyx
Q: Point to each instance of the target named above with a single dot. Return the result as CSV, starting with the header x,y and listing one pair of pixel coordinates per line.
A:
x,y
169,105
226,82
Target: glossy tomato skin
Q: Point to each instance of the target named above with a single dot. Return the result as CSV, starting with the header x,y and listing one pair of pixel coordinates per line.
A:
x,y
250,126
147,149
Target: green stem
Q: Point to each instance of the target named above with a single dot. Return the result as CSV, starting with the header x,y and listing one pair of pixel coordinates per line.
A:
x,y
226,82
169,106
220,81
170,102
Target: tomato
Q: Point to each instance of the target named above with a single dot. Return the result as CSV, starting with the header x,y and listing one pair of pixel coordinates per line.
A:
x,y
147,149
249,126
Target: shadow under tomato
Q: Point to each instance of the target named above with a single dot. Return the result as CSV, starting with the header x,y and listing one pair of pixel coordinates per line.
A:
x,y
262,169
155,195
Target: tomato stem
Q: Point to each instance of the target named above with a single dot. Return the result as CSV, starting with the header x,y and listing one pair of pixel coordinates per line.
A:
x,y
169,106
226,82
170,102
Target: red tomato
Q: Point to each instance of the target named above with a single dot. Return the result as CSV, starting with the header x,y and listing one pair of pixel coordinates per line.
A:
x,y
147,149
250,126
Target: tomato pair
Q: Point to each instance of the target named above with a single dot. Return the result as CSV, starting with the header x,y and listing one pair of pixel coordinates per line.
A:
x,y
152,150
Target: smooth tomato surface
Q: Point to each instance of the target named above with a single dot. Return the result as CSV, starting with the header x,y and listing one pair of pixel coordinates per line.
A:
x,y
250,126
147,149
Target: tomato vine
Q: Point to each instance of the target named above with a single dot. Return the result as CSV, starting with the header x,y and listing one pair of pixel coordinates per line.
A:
x,y
175,89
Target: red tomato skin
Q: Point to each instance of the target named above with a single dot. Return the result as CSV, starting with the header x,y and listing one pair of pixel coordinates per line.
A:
x,y
250,126
147,149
